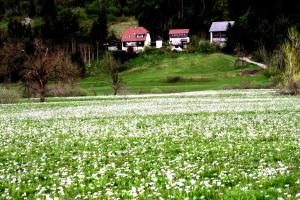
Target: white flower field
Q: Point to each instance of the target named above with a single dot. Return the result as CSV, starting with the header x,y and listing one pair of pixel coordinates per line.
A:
x,y
242,144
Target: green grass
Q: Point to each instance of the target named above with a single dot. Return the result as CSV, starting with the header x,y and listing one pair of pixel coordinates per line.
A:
x,y
149,74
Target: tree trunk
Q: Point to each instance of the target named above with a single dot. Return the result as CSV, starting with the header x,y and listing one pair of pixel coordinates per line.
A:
x,y
42,98
42,94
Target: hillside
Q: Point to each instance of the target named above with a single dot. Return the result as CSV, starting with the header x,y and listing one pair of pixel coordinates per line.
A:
x,y
121,24
164,73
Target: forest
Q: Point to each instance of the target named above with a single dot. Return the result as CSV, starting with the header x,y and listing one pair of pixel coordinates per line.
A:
x,y
259,23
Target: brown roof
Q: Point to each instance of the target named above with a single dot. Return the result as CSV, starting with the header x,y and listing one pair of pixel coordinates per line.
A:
x,y
178,31
130,35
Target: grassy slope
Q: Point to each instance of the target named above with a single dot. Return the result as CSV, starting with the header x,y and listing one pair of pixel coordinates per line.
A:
x,y
121,24
200,72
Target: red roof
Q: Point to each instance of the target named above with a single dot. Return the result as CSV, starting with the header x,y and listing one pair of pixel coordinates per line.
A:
x,y
130,35
178,31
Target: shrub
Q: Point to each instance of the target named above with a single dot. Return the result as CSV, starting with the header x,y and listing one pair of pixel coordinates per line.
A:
x,y
124,67
148,49
269,73
195,39
9,96
261,55
66,90
284,65
257,56
194,44
206,47
173,79
240,64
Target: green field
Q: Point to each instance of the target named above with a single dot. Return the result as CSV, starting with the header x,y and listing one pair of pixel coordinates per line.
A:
x,y
149,73
241,144
158,73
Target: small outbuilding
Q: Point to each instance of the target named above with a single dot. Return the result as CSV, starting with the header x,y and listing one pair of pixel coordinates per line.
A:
x,y
218,32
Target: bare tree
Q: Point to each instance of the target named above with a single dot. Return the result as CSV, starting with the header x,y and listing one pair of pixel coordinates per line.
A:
x,y
45,66
113,67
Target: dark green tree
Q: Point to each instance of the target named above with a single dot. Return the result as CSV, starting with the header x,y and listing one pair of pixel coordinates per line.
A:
x,y
49,13
77,59
99,31
67,25
2,9
16,30
49,9
31,9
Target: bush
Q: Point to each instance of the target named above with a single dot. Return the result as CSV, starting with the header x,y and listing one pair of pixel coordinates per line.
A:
x,y
9,96
66,90
269,73
262,56
177,79
206,47
147,49
240,64
124,67
257,56
173,79
194,44
291,74
191,49
195,39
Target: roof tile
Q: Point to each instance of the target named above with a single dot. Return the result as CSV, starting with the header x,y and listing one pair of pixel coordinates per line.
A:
x,y
178,31
130,35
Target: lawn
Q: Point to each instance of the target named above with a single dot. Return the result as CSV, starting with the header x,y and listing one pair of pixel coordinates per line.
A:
x,y
153,73
233,144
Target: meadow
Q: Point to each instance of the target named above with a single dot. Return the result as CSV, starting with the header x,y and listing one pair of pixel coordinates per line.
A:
x,y
160,72
235,144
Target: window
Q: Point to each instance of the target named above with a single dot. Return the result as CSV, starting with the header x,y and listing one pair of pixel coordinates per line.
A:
x,y
140,44
140,36
129,44
179,35
219,35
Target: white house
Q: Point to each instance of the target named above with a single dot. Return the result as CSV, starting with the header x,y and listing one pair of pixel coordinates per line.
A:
x,y
218,32
135,39
179,37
